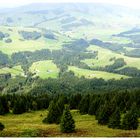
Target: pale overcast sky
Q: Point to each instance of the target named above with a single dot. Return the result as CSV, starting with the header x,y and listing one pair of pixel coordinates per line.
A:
x,y
13,3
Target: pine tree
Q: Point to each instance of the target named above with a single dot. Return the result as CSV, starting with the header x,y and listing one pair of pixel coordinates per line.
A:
x,y
51,117
67,124
104,114
19,106
2,112
114,120
130,119
93,107
1,126
55,111
59,109
84,105
3,106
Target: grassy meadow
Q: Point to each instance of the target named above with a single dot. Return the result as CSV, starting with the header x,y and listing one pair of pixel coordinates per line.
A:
x,y
44,69
95,74
16,70
30,125
18,44
104,56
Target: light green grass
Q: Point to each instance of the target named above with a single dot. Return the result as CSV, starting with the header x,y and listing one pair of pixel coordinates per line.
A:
x,y
45,69
18,45
95,74
104,56
16,70
30,125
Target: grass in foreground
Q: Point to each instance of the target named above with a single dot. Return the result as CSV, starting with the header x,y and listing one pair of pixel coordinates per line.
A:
x,y
30,125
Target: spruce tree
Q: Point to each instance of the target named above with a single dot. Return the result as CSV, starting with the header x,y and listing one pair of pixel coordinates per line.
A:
x,y
1,126
114,120
84,104
59,109
93,107
55,111
67,124
51,117
19,106
130,119
2,112
104,114
3,106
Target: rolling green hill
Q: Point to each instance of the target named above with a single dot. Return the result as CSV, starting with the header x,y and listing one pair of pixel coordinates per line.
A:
x,y
31,31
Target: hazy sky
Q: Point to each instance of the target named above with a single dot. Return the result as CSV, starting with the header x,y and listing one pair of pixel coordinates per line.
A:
x,y
13,3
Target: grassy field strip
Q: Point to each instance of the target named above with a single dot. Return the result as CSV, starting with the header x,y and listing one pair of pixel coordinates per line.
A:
x,y
95,74
104,56
17,70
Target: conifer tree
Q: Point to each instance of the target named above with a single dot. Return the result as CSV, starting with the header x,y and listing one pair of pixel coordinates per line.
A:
x,y
130,119
84,105
55,111
1,126
51,117
104,114
59,108
19,106
93,107
115,119
3,106
2,112
67,124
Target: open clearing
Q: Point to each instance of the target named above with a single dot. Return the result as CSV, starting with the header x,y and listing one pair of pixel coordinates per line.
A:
x,y
44,69
95,74
16,70
104,56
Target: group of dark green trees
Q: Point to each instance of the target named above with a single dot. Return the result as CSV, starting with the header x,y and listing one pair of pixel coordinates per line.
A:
x,y
117,110
59,113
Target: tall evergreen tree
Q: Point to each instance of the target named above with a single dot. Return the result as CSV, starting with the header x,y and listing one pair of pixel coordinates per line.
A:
x,y
3,106
1,126
67,124
115,119
130,119
93,107
59,108
104,114
51,117
84,104
2,112
55,111
19,106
